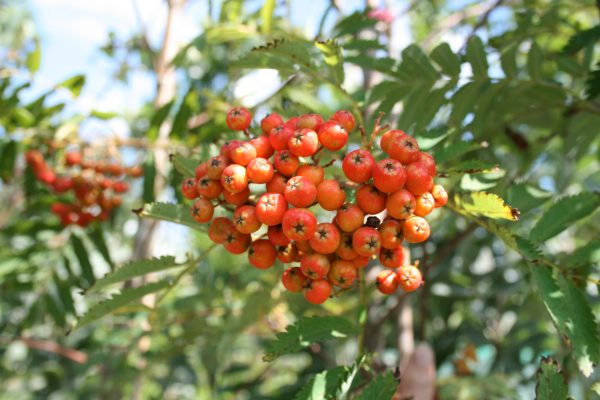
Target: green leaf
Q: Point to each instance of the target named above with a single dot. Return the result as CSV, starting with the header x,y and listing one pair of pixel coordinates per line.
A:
x,y
266,16
8,156
534,62
96,236
84,262
463,101
158,118
592,84
34,58
525,196
135,269
572,316
127,296
323,386
184,165
551,384
454,150
470,167
446,59
306,331
416,66
188,107
508,61
177,213
486,204
583,39
64,293
73,84
563,214
476,56
149,179
332,55
382,387
587,254
103,114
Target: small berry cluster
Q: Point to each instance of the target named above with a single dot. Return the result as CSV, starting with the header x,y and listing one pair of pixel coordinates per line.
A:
x,y
95,188
284,159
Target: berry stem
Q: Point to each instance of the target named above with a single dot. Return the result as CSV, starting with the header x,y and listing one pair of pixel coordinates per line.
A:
x,y
362,311
377,130
314,156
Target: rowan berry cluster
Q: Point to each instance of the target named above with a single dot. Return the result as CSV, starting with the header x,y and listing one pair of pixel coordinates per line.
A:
x,y
285,158
96,186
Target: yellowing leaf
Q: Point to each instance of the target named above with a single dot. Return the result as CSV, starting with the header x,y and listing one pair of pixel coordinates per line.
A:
x,y
487,205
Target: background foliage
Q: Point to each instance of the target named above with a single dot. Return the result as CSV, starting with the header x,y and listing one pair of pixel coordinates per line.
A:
x,y
511,113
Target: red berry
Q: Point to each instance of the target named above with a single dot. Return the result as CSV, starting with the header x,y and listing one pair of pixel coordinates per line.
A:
x,y
332,135
263,146
349,217
386,281
401,204
418,180
245,219
409,278
361,261
389,175
262,254
188,188
62,184
326,238
120,187
425,203
270,208
314,173
46,176
202,170
73,158
293,279
315,265
279,136
358,165
403,148
366,241
427,161
299,224
242,154
300,192
287,254
303,143
387,138
391,233
276,235
345,119
237,199
202,210
439,195
309,121
317,291
370,200
208,188
238,119
415,230
214,167
286,163
342,273
236,242
330,195
270,121
234,178
260,170
227,146
392,258
35,158
277,184
219,228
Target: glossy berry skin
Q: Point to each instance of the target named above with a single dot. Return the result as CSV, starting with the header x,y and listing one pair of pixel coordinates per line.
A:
x,y
326,238
392,258
314,173
213,167
276,235
188,188
391,234
387,138
263,146
72,158
439,195
370,200
245,219
293,279
427,161
242,154
234,178
409,278
286,163
330,195
361,261
418,180
403,148
317,291
345,250
386,281
208,188
279,137
345,119
62,184
120,187
309,121
349,217
225,150
304,246
332,135
270,208
401,204
202,210
277,184
358,165
238,119
262,254
236,242
342,273
202,170
300,192
425,204
366,241
416,230
389,175
315,266
299,224
287,254
260,170
219,228
237,199
303,143
270,121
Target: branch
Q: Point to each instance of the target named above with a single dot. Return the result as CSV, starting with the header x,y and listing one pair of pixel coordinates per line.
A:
x,y
53,347
482,21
